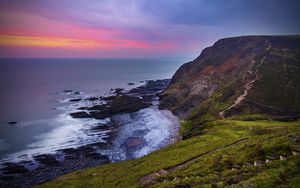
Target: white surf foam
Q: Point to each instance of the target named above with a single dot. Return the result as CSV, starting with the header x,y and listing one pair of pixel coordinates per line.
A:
x,y
67,132
156,127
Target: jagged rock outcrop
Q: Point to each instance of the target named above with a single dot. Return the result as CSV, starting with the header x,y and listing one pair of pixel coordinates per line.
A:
x,y
239,75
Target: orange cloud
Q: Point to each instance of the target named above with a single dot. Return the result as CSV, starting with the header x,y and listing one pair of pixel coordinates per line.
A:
x,y
10,40
37,41
58,42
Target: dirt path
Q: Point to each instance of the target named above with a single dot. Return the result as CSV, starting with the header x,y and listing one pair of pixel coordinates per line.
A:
x,y
248,86
146,179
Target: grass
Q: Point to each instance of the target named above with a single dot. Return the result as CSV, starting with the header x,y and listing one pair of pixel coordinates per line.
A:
x,y
223,165
278,84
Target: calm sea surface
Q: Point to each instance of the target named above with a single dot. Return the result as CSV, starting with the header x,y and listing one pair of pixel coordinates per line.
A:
x,y
32,94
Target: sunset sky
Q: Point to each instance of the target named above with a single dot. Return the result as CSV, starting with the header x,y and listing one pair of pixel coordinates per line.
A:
x,y
135,28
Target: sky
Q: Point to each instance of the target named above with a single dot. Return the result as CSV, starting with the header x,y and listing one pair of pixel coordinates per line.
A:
x,y
135,28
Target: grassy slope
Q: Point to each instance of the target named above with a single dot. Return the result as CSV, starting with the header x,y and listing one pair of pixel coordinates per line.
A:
x,y
279,87
262,138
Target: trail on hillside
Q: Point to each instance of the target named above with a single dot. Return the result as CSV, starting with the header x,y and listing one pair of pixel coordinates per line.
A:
x,y
248,86
149,177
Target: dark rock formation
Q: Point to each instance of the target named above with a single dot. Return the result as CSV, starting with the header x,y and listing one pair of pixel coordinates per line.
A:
x,y
132,101
12,122
12,168
118,91
48,160
68,91
80,114
75,100
92,99
121,104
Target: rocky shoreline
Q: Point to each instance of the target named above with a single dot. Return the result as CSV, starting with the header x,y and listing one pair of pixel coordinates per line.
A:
x,y
45,167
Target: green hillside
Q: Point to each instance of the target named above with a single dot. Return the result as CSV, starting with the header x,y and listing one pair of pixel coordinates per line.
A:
x,y
223,155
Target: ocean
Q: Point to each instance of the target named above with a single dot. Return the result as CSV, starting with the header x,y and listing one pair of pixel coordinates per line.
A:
x,y
33,94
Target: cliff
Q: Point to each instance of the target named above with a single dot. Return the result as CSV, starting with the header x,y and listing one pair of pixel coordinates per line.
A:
x,y
239,75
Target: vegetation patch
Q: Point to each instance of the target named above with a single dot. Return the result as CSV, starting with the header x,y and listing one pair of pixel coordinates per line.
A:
x,y
228,154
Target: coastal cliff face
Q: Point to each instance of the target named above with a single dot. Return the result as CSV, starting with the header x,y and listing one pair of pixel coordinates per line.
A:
x,y
239,75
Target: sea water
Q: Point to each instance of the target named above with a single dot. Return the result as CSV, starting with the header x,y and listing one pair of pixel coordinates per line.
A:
x,y
33,95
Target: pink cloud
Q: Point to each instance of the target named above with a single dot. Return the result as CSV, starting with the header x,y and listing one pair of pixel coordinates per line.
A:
x,y
28,34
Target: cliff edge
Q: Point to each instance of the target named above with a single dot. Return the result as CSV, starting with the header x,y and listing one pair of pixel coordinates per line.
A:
x,y
239,75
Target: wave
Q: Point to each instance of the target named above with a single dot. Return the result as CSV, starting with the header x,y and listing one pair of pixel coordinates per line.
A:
x,y
155,128
66,133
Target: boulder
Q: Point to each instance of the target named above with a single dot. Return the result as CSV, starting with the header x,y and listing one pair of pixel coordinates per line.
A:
x,y
118,91
258,163
12,122
92,99
81,114
134,142
48,160
12,168
68,91
120,104
75,100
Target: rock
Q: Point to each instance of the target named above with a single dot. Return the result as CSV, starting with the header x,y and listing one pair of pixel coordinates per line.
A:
x,y
118,91
108,98
148,178
127,104
99,107
75,100
12,122
12,168
48,160
120,104
88,151
97,156
258,163
134,142
268,161
92,99
16,175
147,98
82,108
132,101
100,114
7,178
283,158
271,157
81,114
236,166
152,87
77,93
162,171
68,91
131,83
296,152
101,127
